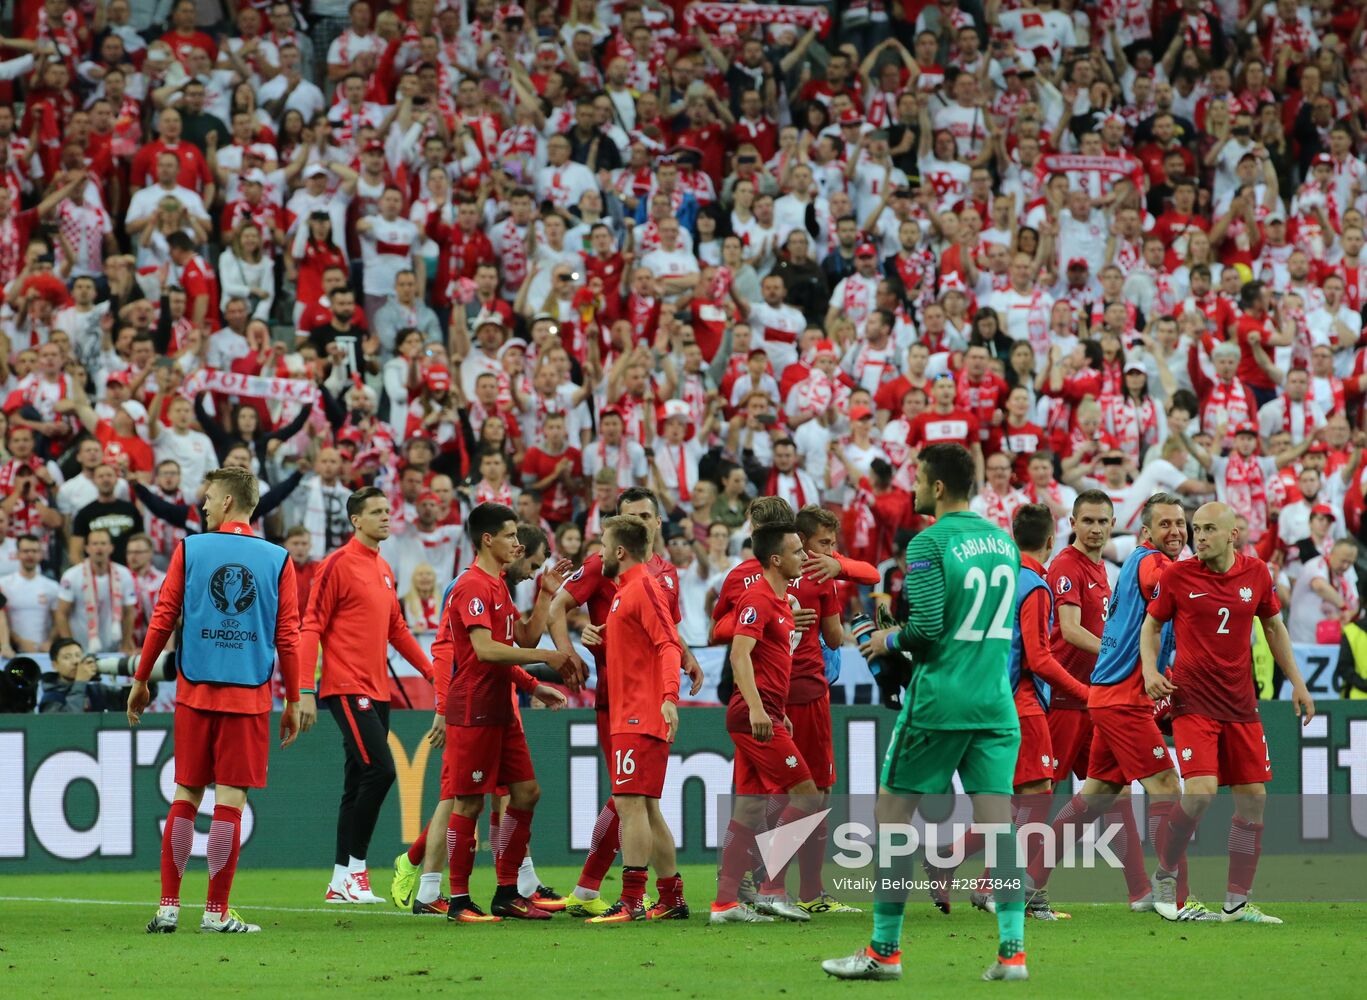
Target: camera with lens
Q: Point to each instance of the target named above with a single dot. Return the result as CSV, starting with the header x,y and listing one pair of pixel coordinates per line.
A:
x,y
121,665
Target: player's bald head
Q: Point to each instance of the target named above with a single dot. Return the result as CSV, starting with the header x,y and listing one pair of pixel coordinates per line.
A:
x,y
1219,515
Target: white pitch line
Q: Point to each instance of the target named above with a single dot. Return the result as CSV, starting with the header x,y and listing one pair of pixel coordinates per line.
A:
x,y
368,910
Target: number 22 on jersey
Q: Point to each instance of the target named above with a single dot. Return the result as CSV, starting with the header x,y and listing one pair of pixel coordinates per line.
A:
x,y
1002,589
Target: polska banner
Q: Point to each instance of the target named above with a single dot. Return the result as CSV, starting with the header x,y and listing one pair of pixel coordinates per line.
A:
x,y
714,16
284,390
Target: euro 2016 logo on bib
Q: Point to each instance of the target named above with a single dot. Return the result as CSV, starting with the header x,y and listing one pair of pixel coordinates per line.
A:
x,y
232,589
748,616
476,607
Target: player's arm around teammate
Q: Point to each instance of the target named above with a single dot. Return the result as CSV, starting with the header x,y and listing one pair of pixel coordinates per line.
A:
x,y
1221,740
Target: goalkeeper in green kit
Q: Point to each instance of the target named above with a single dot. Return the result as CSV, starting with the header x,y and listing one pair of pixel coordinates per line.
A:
x,y
958,713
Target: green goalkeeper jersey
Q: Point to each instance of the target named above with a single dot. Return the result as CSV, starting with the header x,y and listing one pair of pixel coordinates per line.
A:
x,y
961,590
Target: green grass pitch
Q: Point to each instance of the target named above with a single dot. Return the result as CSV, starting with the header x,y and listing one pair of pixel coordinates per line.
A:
x,y
82,948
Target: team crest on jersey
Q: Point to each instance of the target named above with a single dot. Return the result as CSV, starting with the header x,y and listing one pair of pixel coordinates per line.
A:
x,y
1158,752
748,616
476,775
1186,753
790,760
476,607
1064,585
1246,594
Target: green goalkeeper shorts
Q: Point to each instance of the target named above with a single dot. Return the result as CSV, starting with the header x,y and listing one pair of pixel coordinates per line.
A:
x,y
923,761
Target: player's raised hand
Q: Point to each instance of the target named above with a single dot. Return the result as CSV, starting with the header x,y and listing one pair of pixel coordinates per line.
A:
x,y
554,578
821,568
761,726
593,635
437,734
670,713
138,697
289,724
1305,705
552,698
1156,685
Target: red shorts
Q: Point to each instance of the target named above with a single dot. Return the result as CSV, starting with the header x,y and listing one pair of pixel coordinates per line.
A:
x,y
478,759
1126,744
604,721
768,768
221,748
1035,761
1235,752
812,734
1070,732
638,764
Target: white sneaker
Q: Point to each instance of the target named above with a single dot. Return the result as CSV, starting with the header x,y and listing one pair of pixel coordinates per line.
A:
x,y
862,965
1144,904
227,923
166,921
779,906
738,914
341,892
1164,885
1247,913
1007,971
359,884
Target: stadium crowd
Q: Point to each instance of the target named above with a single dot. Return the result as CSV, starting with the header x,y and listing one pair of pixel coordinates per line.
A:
x,y
539,254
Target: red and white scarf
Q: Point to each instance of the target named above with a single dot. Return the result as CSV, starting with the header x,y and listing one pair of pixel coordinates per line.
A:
x,y
1133,425
1246,492
487,493
1227,404
715,16
91,598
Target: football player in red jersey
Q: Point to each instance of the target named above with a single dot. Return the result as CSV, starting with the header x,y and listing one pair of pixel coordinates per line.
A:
x,y
1212,601
590,586
809,697
1082,599
645,656
485,744
767,761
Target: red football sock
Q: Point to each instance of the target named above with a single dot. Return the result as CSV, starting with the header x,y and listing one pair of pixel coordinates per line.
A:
x,y
1158,814
1129,847
176,840
1245,846
418,849
670,890
516,827
776,883
602,847
735,859
633,886
1075,812
1173,835
225,835
460,853
810,858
